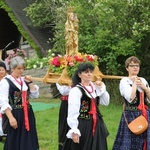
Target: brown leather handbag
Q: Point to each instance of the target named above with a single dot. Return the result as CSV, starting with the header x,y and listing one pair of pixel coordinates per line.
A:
x,y
139,124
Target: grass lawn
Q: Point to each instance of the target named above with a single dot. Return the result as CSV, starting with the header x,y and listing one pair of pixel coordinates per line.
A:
x,y
47,122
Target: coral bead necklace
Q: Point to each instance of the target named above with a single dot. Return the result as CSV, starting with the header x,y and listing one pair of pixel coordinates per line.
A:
x,y
19,82
92,89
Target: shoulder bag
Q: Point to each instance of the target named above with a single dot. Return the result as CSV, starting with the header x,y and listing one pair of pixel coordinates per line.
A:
x,y
139,124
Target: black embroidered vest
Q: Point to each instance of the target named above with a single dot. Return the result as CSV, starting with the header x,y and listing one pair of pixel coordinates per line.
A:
x,y
15,97
86,104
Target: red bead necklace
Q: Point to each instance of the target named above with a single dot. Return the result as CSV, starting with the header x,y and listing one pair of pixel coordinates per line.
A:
x,y
87,89
19,82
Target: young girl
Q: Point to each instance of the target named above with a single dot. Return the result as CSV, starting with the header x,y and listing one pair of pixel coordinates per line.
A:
x,y
15,91
130,88
87,128
2,75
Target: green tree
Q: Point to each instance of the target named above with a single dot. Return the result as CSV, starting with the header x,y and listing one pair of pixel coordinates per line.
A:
x,y
113,30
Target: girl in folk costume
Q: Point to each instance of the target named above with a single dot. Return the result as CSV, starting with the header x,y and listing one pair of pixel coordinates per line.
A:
x,y
63,111
130,88
14,102
2,75
87,128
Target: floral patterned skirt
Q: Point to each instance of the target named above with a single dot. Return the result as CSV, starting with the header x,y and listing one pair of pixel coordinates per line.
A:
x,y
125,139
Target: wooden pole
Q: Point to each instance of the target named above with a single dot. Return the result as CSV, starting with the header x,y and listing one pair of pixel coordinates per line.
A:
x,y
37,79
111,77
1,54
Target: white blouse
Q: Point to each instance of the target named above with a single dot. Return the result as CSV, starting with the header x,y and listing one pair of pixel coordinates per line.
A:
x,y
63,89
74,102
4,91
125,87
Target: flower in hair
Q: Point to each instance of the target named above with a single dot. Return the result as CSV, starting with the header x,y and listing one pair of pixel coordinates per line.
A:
x,y
14,53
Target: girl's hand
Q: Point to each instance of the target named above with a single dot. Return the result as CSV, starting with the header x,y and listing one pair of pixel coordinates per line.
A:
x,y
27,78
75,138
98,83
133,78
13,122
136,80
139,83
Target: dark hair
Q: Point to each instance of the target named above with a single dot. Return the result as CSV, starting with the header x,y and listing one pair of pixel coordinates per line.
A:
x,y
81,68
2,64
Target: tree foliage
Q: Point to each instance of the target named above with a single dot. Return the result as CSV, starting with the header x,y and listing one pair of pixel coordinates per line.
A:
x,y
20,28
113,30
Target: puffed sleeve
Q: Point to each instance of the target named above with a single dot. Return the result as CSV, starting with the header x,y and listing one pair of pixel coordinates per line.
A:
x,y
63,89
125,88
104,97
147,85
35,94
73,111
4,92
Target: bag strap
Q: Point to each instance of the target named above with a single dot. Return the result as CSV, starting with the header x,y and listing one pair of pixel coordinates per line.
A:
x,y
142,98
124,114
143,107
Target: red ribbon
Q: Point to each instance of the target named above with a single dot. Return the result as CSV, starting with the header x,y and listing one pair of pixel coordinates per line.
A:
x,y
25,108
141,106
143,109
64,97
93,112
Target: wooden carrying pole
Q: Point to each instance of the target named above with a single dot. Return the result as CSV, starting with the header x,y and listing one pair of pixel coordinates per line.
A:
x,y
37,79
111,77
1,54
63,78
67,81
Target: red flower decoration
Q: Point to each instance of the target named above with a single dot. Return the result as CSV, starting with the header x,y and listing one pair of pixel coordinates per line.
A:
x,y
90,57
78,58
56,61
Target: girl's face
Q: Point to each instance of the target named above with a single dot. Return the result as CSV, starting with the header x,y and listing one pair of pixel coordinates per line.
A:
x,y
2,72
133,69
86,76
18,71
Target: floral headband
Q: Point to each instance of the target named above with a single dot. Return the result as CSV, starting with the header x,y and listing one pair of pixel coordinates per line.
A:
x,y
14,53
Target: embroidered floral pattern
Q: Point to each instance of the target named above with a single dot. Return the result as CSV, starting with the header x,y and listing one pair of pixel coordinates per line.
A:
x,y
17,97
84,108
134,101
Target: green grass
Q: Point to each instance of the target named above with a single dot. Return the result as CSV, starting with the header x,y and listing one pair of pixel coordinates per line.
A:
x,y
47,124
